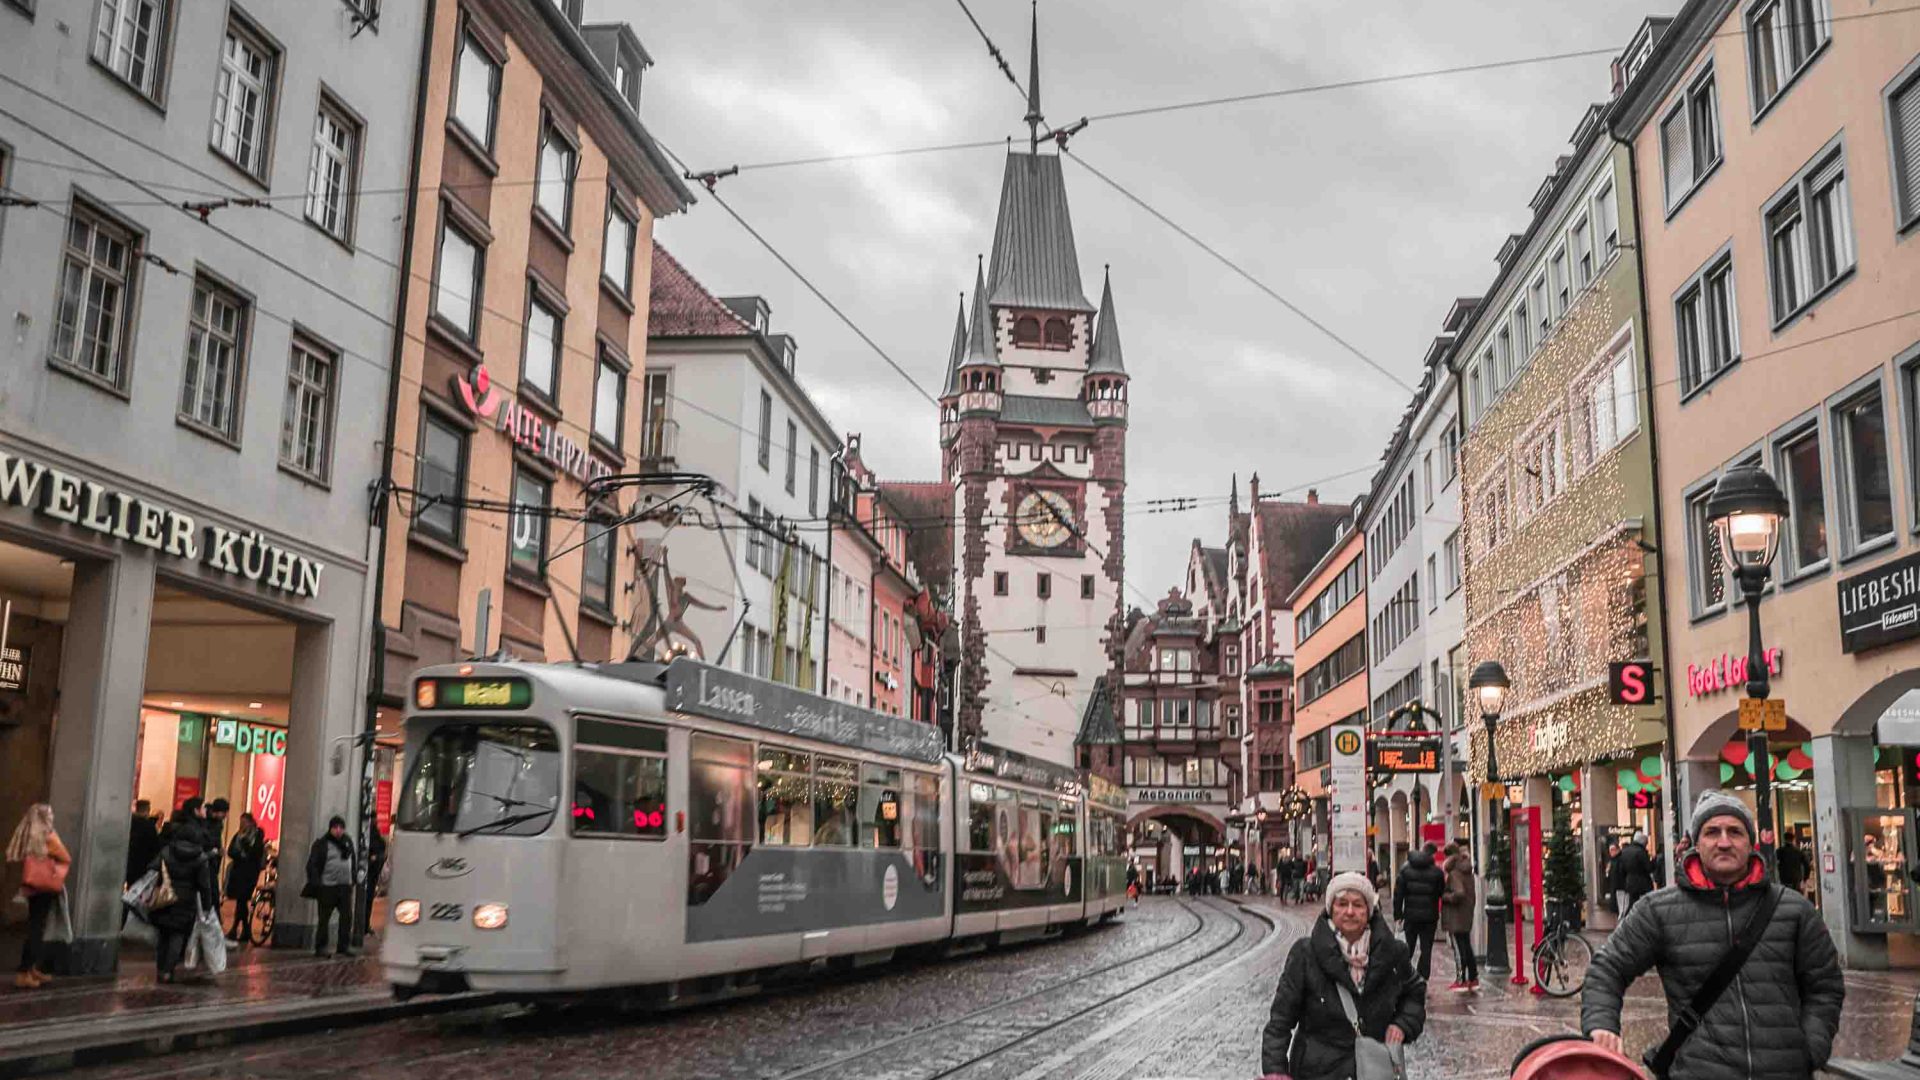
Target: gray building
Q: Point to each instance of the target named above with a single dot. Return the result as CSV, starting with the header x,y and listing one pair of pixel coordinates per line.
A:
x,y
199,262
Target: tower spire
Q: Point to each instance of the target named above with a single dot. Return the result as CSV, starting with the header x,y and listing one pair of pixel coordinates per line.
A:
x,y
1033,117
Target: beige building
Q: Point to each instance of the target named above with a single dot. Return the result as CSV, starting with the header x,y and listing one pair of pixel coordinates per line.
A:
x,y
1777,155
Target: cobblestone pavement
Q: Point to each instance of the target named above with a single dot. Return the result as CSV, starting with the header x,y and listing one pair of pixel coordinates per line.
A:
x,y
1178,989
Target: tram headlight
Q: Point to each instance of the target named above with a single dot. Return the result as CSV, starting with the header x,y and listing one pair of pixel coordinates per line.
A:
x,y
406,912
490,916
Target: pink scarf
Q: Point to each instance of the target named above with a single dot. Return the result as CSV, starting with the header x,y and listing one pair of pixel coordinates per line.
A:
x,y
1356,955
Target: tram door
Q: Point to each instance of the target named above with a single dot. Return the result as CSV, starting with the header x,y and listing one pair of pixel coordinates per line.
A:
x,y
1882,856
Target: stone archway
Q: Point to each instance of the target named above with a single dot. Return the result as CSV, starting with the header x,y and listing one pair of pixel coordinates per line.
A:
x,y
1182,838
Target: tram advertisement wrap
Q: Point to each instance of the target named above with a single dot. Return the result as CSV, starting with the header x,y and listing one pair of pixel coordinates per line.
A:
x,y
778,890
985,884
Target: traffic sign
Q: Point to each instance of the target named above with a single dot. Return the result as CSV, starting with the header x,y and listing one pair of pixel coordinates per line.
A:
x,y
1769,714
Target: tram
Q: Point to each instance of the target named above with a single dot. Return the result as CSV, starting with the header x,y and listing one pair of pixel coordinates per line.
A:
x,y
568,828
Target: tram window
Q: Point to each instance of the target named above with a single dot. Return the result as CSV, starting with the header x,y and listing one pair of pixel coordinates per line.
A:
x,y
501,778
879,807
719,794
1022,853
786,798
835,802
617,794
980,818
926,812
1060,839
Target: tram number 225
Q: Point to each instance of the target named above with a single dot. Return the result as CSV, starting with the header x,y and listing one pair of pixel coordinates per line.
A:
x,y
444,912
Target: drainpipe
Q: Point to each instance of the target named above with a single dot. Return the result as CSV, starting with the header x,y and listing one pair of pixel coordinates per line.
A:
x,y
377,660
833,499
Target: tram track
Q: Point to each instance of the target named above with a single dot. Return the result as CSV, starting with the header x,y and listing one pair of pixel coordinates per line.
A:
x,y
840,1063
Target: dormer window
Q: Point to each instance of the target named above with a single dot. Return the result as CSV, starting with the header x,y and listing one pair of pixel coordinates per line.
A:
x,y
1058,335
1026,330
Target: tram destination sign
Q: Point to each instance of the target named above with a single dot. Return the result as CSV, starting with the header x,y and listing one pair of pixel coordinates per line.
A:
x,y
1880,606
704,690
1405,752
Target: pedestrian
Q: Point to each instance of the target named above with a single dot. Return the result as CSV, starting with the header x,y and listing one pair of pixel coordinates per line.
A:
x,y
1133,883
1792,865
332,866
143,841
376,862
1350,974
215,825
1416,904
246,855
184,865
1456,917
1633,873
44,862
1733,1010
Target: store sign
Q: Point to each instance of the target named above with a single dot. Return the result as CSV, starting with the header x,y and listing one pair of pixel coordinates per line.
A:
x,y
528,429
52,493
1550,737
13,669
1880,606
248,738
1727,672
1900,724
268,773
1630,682
1347,799
1179,795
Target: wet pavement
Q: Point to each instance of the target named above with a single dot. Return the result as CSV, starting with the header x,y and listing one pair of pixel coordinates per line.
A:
x,y
1179,988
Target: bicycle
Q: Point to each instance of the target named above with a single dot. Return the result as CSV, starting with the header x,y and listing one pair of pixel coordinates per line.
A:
x,y
260,927
1561,959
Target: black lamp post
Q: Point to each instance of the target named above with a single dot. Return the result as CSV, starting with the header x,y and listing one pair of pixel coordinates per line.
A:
x,y
1746,509
1489,684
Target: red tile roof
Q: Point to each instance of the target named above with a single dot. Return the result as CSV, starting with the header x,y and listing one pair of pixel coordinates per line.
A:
x,y
680,306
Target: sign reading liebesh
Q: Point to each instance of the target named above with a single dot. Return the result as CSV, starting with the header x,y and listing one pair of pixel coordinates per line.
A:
x,y
1880,606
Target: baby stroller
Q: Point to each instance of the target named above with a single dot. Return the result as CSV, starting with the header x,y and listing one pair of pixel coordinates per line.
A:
x,y
1571,1057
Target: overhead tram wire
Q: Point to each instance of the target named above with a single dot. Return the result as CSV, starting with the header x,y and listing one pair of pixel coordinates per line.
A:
x,y
993,50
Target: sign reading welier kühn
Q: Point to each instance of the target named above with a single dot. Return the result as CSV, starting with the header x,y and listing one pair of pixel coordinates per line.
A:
x,y
1880,606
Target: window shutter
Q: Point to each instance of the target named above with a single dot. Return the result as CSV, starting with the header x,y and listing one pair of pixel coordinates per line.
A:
x,y
1906,146
1676,151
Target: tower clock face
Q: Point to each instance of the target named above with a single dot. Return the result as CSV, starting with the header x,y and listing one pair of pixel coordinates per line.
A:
x,y
1045,519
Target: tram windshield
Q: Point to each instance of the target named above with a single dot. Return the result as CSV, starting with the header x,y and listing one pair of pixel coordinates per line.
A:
x,y
483,778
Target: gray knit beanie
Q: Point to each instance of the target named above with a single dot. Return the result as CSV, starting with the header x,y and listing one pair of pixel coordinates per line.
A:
x,y
1713,804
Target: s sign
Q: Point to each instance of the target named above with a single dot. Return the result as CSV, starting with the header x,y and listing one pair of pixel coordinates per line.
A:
x,y
1630,682
449,867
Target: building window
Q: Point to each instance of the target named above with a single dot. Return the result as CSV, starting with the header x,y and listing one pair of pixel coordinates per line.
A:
x,y
1782,37
1797,463
1903,123
553,193
1058,335
527,524
1491,510
1562,286
1039,635
1449,454
1433,583
1606,220
609,398
1543,468
1703,316
656,442
596,569
456,296
130,40
306,424
540,350
616,258
1542,313
1581,241
1043,586
243,99
332,170
1086,586
1809,237
440,479
216,340
813,481
999,583
1861,470
793,455
92,319
1706,572
756,540
1455,568
1026,330
1612,404
1690,139
476,90
766,432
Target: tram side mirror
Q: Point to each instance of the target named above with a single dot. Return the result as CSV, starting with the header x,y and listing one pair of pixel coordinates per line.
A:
x,y
339,758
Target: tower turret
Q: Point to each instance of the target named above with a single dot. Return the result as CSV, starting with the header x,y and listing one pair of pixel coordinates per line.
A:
x,y
1105,387
950,392
979,371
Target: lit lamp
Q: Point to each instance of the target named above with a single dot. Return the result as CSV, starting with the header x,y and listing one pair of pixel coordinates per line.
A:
x,y
1746,509
1489,685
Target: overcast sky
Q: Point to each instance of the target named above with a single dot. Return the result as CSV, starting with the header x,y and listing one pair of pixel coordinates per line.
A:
x,y
1371,208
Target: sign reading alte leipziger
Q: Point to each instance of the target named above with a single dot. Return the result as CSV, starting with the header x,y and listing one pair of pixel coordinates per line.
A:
x,y
528,429
90,505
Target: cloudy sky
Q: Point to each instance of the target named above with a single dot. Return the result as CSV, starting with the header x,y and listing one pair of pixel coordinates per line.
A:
x,y
1370,207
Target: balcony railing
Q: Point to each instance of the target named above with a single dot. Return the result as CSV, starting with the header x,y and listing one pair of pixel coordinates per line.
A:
x,y
659,443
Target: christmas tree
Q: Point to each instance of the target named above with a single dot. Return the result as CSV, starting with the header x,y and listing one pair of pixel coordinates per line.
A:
x,y
1566,885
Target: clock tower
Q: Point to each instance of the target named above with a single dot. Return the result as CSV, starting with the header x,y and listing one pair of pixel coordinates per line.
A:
x,y
1033,425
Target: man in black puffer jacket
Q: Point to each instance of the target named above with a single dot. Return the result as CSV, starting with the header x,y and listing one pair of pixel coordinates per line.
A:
x,y
1416,904
1778,1018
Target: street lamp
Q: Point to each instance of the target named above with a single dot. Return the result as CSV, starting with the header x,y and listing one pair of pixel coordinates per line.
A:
x,y
1489,684
1746,509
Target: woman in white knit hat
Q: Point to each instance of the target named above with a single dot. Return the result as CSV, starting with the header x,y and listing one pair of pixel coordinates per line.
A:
x,y
1351,964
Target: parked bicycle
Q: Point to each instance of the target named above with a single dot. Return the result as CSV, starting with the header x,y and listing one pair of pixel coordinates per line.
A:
x,y
260,930
1561,959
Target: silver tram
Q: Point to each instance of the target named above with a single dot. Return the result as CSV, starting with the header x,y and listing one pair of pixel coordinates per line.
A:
x,y
685,828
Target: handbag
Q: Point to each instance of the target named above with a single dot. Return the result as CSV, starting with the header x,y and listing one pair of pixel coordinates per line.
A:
x,y
1659,1060
163,894
43,874
1372,1059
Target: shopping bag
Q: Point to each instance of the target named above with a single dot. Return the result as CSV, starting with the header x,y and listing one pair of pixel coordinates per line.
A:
x,y
60,921
139,896
212,939
41,874
138,931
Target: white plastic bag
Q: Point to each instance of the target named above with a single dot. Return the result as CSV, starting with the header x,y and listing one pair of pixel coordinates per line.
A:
x,y
212,940
60,921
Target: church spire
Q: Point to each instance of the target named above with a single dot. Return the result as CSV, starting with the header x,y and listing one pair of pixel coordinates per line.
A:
x,y
1106,337
957,350
1033,116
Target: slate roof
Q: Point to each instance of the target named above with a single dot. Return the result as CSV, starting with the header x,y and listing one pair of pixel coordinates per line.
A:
x,y
1213,564
928,508
679,306
1106,337
956,351
1294,537
1034,260
1044,411
1097,726
980,343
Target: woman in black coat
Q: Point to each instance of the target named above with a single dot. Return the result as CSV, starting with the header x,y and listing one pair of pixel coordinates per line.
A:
x,y
185,862
245,856
1308,1036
